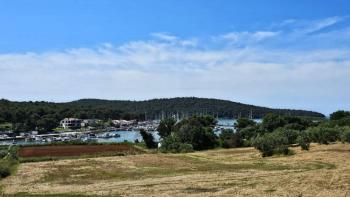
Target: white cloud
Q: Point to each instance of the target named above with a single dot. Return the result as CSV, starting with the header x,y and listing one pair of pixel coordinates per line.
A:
x,y
312,79
164,36
247,37
318,25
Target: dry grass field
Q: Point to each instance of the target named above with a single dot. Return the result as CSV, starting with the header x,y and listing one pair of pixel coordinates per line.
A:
x,y
322,171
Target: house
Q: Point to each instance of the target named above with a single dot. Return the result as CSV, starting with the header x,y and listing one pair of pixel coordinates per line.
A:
x,y
70,123
90,122
123,123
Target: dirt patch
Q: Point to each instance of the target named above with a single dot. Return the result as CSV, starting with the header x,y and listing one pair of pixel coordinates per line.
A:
x,y
75,150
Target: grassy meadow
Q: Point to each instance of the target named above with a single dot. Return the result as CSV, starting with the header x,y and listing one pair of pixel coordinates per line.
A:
x,y
322,171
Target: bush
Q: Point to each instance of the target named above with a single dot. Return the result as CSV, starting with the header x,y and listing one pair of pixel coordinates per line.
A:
x,y
324,135
304,140
197,131
148,139
4,169
165,127
345,135
271,143
9,162
290,134
339,115
244,123
342,122
3,153
185,148
230,139
272,121
173,144
251,132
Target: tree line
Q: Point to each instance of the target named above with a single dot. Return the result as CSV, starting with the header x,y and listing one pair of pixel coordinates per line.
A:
x,y
45,116
274,135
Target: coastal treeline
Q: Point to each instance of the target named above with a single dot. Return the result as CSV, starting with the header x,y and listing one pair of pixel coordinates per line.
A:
x,y
190,106
45,116
274,135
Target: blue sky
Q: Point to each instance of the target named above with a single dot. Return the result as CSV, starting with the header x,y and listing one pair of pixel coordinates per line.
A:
x,y
285,54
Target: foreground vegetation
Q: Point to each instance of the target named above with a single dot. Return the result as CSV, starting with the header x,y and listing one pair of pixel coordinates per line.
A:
x,y
274,135
324,170
8,160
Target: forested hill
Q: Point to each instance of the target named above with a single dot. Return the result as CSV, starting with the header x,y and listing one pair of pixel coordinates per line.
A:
x,y
186,106
44,116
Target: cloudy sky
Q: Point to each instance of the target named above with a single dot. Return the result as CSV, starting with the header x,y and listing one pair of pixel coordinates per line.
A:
x,y
283,54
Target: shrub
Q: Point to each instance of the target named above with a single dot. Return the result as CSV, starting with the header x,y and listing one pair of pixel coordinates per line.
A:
x,y
9,162
244,123
342,122
290,134
185,148
197,131
173,144
339,115
324,135
4,169
230,139
251,132
3,153
165,127
272,121
345,135
304,140
148,139
271,143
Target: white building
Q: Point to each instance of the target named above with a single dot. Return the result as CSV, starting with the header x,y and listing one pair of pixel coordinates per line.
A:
x,y
69,123
90,122
124,122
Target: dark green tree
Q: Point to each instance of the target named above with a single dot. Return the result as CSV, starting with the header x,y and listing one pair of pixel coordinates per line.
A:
x,y
230,139
148,139
244,123
197,131
272,121
339,115
165,127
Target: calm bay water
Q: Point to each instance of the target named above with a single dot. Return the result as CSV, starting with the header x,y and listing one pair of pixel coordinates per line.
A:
x,y
129,136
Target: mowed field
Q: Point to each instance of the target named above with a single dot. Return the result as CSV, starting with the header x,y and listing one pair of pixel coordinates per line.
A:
x,y
322,171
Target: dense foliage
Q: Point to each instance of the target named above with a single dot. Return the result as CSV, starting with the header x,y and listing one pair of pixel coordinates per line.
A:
x,y
230,139
8,160
338,115
148,139
274,135
44,116
271,143
165,127
173,144
196,131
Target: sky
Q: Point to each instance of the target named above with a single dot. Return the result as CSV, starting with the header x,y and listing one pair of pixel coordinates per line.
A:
x,y
281,54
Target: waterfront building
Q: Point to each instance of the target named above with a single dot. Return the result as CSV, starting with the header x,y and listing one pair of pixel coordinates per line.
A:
x,y
69,123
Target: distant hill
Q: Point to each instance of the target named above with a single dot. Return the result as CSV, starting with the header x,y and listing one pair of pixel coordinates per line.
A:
x,y
186,106
45,116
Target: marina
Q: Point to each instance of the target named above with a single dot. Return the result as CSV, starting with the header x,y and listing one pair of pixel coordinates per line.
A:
x,y
107,135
